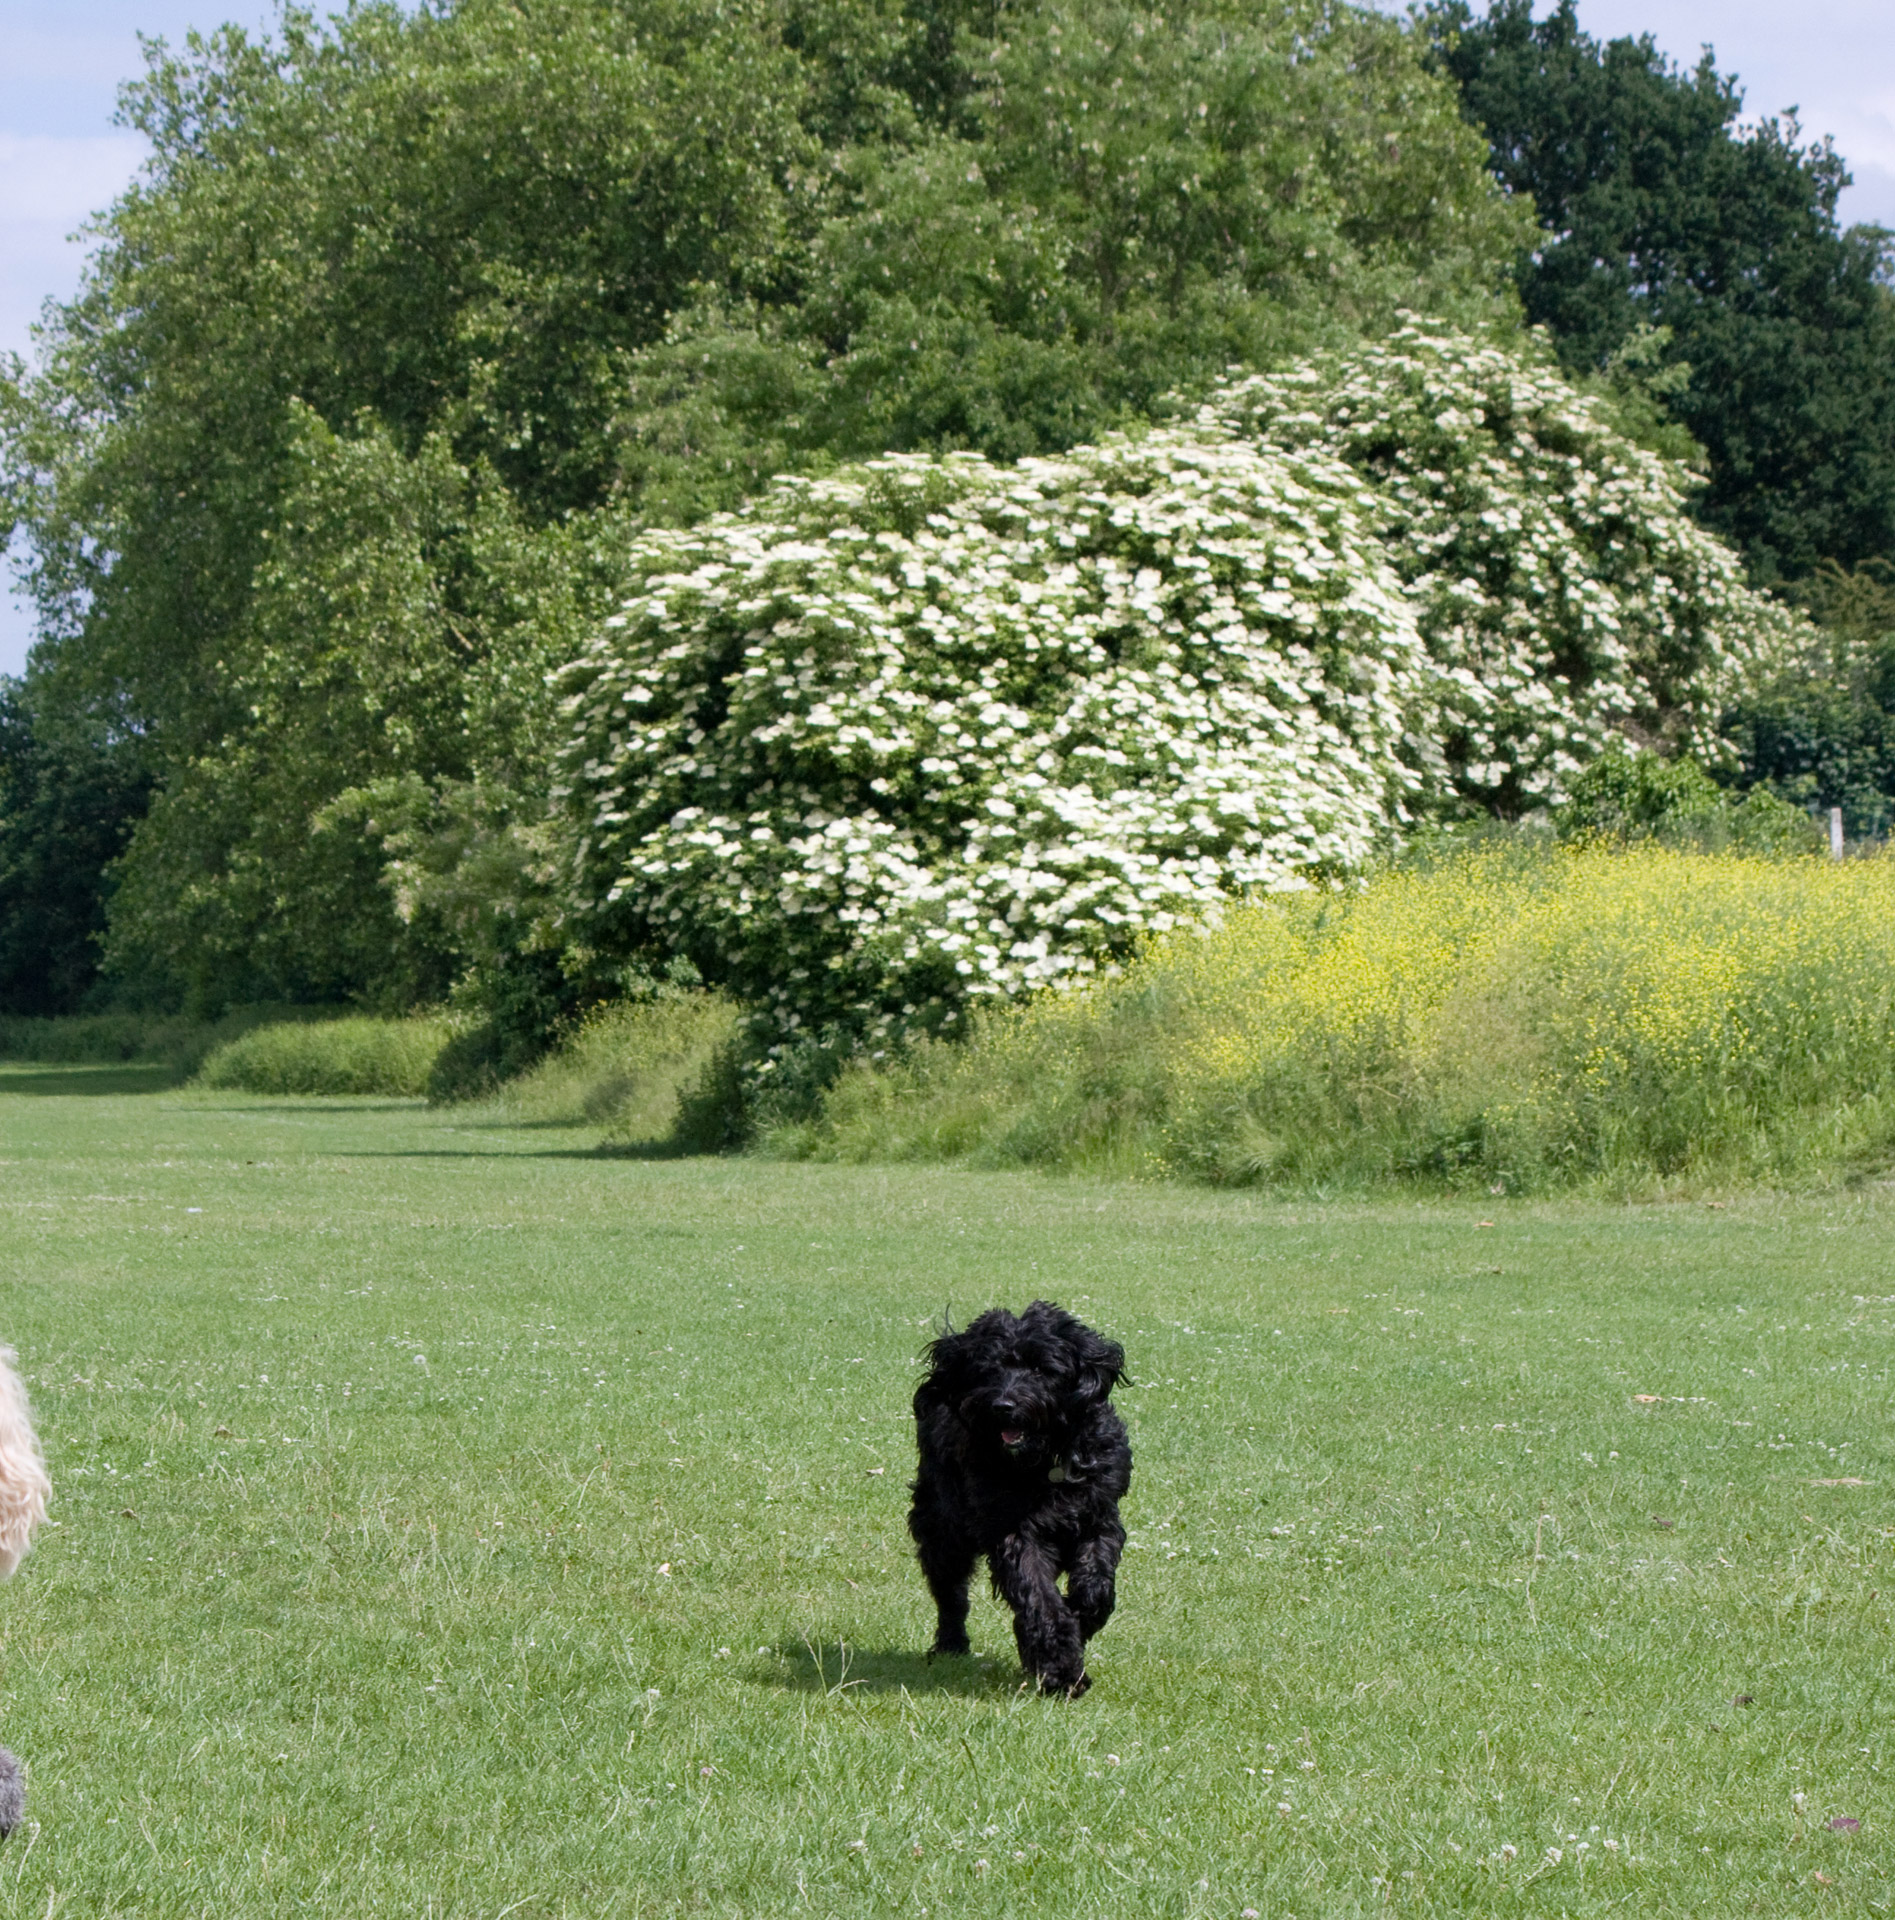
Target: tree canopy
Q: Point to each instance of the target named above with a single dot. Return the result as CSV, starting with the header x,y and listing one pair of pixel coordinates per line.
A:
x,y
425,330
1658,210
414,315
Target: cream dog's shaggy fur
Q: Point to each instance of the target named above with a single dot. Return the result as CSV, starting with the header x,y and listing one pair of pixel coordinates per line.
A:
x,y
24,1489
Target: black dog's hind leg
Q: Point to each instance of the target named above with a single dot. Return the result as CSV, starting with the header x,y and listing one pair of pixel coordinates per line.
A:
x,y
948,1566
1090,1588
1044,1628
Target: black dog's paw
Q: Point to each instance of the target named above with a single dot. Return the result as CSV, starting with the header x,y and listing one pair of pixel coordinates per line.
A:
x,y
949,1648
1058,1671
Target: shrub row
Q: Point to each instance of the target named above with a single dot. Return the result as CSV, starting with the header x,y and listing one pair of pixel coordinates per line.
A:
x,y
1511,1016
353,1055
626,1069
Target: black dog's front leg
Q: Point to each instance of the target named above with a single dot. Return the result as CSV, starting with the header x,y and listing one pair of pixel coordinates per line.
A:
x,y
1090,1582
1044,1627
948,1565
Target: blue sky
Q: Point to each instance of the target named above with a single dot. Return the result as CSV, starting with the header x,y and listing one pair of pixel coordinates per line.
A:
x,y
61,158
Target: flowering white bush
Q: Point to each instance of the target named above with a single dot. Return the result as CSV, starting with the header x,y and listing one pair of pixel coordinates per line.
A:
x,y
1564,593
929,728
937,728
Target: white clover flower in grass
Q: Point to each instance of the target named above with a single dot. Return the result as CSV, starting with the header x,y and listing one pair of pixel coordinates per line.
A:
x,y
1564,592
929,730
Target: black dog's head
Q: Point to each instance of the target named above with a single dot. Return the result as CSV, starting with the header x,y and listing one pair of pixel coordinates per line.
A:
x,y
1024,1388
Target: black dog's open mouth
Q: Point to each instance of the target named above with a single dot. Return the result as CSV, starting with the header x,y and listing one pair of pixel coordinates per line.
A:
x,y
1012,1438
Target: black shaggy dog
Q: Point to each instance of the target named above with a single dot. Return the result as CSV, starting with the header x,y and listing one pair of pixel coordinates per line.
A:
x,y
1023,1460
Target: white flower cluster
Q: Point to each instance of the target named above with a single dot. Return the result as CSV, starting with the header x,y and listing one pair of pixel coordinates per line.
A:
x,y
937,728
1564,592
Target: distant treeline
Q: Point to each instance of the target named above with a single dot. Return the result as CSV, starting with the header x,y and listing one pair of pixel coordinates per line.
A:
x,y
415,321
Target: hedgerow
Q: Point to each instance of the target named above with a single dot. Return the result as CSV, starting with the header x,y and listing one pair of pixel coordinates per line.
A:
x,y
352,1055
937,730
177,1042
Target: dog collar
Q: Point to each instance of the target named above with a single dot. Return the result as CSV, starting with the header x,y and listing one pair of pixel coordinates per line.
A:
x,y
1062,1475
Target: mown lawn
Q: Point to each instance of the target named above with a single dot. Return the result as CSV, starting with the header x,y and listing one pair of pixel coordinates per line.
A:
x,y
453,1522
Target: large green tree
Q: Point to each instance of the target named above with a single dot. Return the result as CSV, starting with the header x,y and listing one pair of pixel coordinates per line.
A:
x,y
306,467
1658,210
1111,205
411,313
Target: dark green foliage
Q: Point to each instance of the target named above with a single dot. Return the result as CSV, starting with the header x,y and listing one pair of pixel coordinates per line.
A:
x,y
400,624
714,1113
68,800
1103,206
1656,211
1632,797
521,1002
1821,734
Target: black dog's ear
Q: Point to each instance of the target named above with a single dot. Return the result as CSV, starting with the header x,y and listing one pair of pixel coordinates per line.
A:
x,y
947,1360
1101,1365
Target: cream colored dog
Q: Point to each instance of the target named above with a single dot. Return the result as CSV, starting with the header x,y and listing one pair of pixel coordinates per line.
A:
x,y
24,1489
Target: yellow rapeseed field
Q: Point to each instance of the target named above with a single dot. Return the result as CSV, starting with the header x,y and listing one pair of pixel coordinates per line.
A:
x,y
1513,1016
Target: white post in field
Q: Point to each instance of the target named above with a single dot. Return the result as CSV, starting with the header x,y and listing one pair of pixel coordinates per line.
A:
x,y
1835,833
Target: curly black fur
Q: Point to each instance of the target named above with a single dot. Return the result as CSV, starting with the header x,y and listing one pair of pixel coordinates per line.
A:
x,y
1024,1460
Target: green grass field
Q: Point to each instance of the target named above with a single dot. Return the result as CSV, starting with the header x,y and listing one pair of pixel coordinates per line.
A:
x,y
452,1522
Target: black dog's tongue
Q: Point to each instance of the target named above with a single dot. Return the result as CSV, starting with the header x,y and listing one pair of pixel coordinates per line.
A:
x,y
1012,1436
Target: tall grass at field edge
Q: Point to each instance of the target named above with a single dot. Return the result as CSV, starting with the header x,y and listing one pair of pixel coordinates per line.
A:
x,y
1507,1019
181,1042
352,1055
623,1069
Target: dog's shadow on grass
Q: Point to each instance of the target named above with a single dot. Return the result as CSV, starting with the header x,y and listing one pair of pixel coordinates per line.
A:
x,y
838,1666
